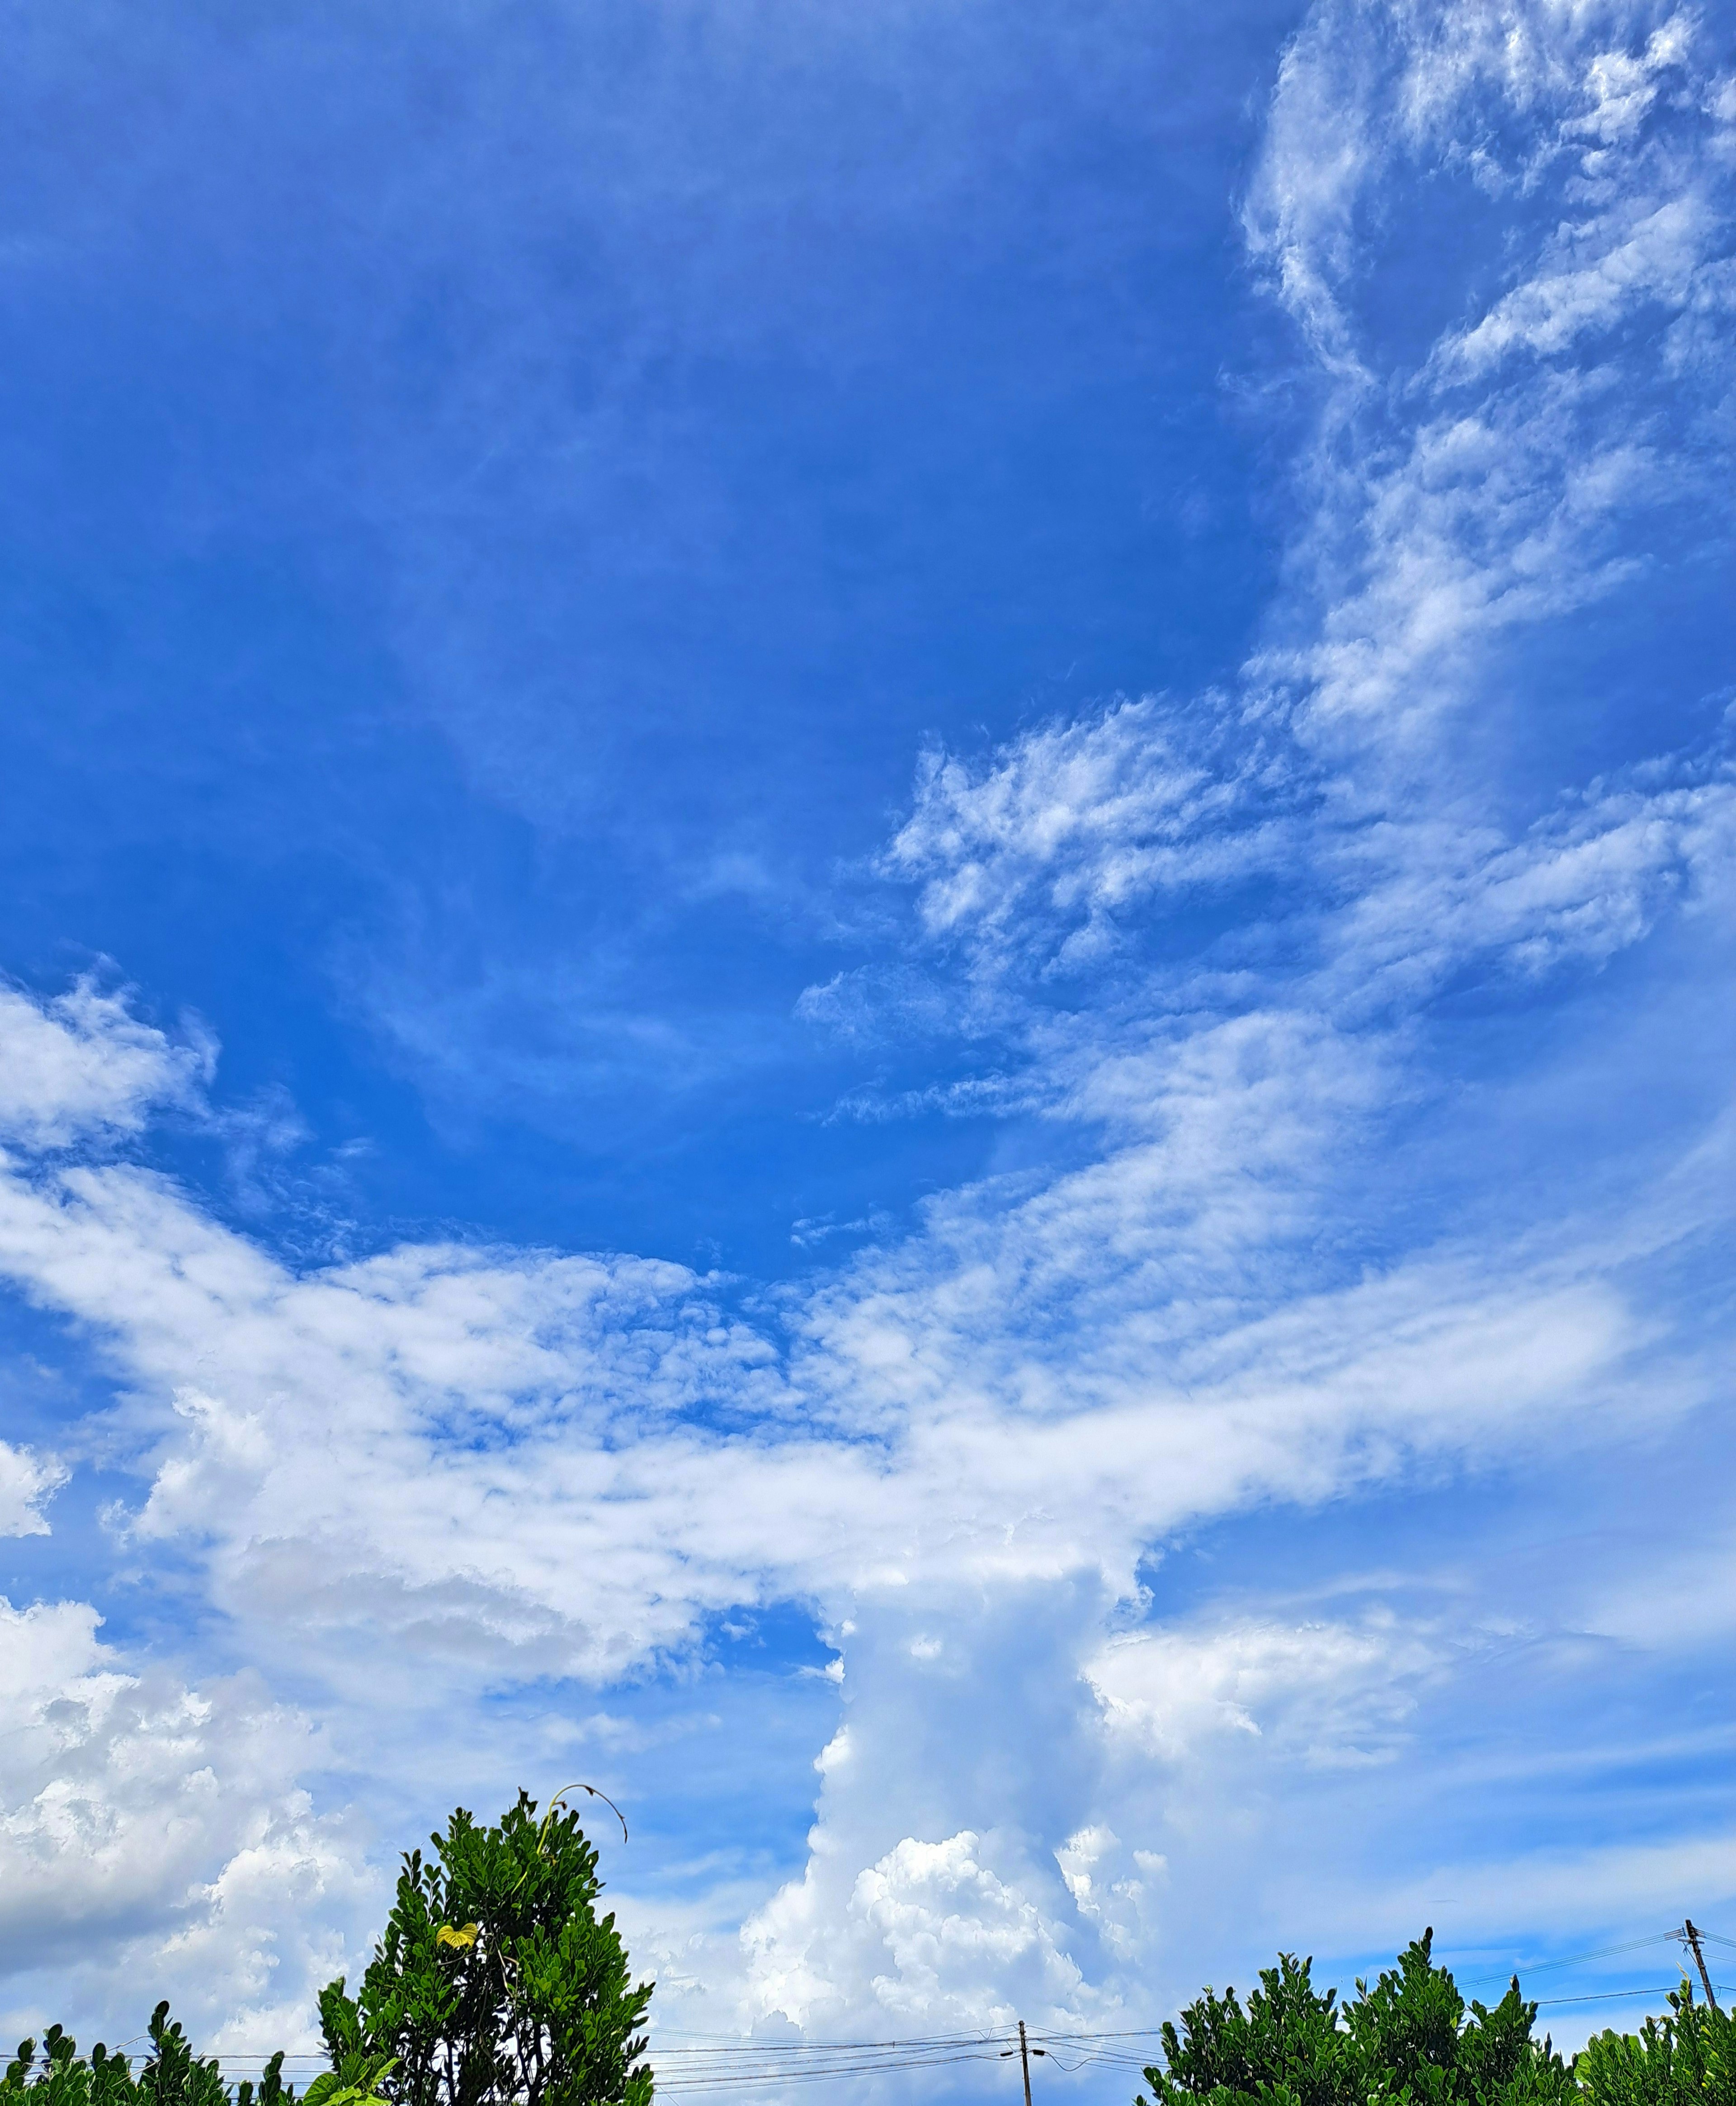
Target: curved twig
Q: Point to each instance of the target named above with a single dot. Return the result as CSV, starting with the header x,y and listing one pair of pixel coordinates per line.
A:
x,y
595,1793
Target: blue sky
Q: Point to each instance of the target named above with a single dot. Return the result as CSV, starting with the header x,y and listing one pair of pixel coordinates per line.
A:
x,y
869,958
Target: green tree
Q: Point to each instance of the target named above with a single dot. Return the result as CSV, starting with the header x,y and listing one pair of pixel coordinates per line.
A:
x,y
1688,2059
171,2075
495,1981
1410,2039
1286,2044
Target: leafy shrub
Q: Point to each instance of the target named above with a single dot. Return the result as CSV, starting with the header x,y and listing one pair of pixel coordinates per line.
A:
x,y
1686,2060
1407,2039
171,2075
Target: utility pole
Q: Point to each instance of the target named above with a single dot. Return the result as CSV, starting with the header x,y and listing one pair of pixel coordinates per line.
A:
x,y
1025,2054
1688,1931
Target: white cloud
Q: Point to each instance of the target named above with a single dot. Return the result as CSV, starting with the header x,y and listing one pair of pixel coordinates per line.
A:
x,y
154,1833
1079,820
1239,1085
1333,1693
1600,1882
1579,886
27,1481
938,1938
82,1063
536,1454
1446,517
1511,91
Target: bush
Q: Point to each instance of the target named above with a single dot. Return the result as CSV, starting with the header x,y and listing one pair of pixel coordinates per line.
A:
x,y
1409,2038
1686,2060
171,2075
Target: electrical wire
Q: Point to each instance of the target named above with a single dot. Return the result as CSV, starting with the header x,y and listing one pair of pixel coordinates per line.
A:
x,y
1572,1960
1605,1996
744,2080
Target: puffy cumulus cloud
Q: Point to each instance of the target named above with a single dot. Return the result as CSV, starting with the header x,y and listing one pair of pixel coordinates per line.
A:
x,y
934,1936
930,1898
1177,1803
154,1832
27,1480
383,1423
955,1937
421,1479
526,1463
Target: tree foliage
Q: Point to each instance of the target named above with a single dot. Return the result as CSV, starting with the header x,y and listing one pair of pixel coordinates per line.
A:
x,y
171,2075
1688,2059
1410,2040
495,1981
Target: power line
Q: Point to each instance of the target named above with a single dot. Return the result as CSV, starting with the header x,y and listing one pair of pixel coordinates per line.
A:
x,y
742,2080
705,2042
984,2034
1573,1960
1607,1995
